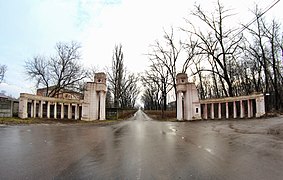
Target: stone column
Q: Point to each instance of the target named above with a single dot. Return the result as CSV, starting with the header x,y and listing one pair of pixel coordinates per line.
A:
x,y
34,108
31,109
40,109
179,106
249,108
23,107
205,111
48,109
76,111
69,111
62,110
242,110
235,110
102,105
227,110
219,110
212,110
55,110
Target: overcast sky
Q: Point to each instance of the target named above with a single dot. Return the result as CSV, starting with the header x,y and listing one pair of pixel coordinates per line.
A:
x,y
33,27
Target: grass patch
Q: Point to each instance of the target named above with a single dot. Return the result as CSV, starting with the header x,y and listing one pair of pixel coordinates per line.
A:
x,y
16,121
19,121
157,115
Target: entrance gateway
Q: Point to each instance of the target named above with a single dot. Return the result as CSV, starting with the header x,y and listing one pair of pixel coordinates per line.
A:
x,y
92,107
190,107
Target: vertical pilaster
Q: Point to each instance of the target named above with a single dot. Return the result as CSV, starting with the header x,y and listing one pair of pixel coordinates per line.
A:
x,y
227,110
34,108
62,110
179,106
205,111
96,107
31,109
219,110
69,111
212,110
55,110
48,109
102,105
76,111
40,109
235,110
249,108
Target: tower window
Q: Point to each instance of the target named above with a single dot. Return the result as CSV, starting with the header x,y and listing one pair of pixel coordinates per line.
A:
x,y
196,110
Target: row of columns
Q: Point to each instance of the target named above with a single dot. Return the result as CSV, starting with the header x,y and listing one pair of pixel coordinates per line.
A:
x,y
24,109
250,109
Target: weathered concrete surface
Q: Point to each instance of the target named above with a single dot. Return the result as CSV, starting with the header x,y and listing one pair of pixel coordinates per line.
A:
x,y
144,149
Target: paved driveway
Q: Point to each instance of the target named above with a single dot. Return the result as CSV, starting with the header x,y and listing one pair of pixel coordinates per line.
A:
x,y
141,148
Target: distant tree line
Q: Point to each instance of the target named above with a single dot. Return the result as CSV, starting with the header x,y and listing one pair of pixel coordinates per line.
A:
x,y
222,61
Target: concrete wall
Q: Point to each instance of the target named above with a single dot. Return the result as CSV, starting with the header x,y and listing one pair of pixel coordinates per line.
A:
x,y
8,108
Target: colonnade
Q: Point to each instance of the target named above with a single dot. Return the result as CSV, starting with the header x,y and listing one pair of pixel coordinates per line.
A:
x,y
33,106
92,107
233,107
189,107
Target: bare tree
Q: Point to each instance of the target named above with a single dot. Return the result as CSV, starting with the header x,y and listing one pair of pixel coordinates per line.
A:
x,y
122,85
62,71
91,73
167,53
3,69
152,94
219,44
264,52
130,91
116,74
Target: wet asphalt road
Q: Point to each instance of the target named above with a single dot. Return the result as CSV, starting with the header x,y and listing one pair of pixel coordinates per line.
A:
x,y
136,149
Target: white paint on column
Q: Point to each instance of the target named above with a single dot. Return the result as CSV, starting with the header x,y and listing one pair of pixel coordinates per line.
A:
x,y
179,106
76,112
227,110
212,110
55,110
205,111
102,105
249,108
48,109
69,111
62,110
40,109
31,109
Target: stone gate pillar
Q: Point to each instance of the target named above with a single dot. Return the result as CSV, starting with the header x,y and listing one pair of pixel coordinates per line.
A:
x,y
190,108
23,106
260,106
93,107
